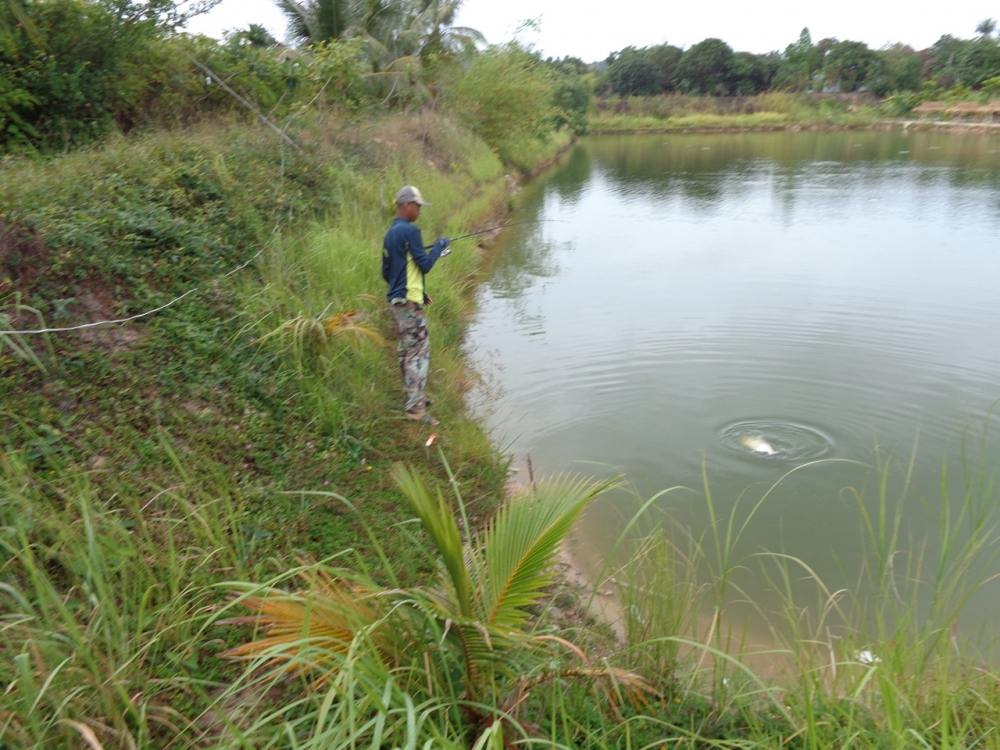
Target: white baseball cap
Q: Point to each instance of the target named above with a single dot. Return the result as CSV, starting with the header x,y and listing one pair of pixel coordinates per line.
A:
x,y
409,194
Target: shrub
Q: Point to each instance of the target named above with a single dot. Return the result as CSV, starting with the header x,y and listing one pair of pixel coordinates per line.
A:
x,y
68,68
572,100
505,95
71,72
992,86
900,104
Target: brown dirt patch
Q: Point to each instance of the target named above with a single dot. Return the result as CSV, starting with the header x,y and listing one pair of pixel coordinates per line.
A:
x,y
23,258
95,303
24,267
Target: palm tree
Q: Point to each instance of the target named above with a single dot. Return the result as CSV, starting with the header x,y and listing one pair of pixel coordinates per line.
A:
x,y
436,19
253,35
986,28
488,584
392,29
316,21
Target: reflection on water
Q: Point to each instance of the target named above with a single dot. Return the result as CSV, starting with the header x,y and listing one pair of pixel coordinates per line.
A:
x,y
839,289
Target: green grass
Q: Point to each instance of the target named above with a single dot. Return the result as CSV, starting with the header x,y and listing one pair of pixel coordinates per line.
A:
x,y
142,465
131,226
233,442
119,613
878,664
773,111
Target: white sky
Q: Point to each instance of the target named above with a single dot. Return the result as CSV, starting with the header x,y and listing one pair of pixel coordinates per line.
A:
x,y
589,31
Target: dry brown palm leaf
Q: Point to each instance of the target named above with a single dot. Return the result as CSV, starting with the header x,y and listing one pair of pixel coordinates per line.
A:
x,y
303,332
326,619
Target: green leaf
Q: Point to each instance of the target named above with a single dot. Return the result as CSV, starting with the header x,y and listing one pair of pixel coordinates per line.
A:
x,y
439,521
519,544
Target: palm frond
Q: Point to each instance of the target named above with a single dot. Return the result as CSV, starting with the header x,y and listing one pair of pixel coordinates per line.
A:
x,y
521,540
467,31
323,621
331,19
301,22
438,521
304,334
351,322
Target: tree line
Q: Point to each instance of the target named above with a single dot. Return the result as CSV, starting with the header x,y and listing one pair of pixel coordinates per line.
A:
x,y
829,65
72,71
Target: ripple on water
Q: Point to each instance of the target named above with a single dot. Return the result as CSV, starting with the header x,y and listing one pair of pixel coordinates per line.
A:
x,y
791,441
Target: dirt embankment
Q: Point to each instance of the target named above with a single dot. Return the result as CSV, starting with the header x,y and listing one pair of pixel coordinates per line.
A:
x,y
969,128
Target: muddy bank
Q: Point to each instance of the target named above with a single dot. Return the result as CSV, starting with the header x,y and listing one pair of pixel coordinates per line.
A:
x,y
970,128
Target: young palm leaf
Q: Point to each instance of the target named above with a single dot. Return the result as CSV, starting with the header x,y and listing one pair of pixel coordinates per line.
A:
x,y
488,586
506,569
439,522
520,542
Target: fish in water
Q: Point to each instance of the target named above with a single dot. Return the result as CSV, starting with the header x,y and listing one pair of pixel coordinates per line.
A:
x,y
757,444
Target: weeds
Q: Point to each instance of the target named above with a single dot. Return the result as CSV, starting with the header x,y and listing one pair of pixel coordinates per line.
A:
x,y
152,471
770,111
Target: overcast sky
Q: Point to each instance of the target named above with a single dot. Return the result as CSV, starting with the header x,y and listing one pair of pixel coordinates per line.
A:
x,y
591,31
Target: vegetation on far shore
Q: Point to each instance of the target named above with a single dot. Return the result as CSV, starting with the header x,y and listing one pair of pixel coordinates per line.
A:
x,y
771,111
964,67
165,482
72,72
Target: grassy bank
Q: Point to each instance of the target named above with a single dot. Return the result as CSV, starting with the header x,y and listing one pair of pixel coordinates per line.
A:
x,y
774,111
143,464
240,443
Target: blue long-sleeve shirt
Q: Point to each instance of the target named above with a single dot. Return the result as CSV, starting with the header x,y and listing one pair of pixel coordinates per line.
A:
x,y
404,261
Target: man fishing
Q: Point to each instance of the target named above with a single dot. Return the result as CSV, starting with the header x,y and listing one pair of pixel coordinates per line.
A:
x,y
405,263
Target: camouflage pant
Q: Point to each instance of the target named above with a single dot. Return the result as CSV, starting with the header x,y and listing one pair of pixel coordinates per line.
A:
x,y
414,352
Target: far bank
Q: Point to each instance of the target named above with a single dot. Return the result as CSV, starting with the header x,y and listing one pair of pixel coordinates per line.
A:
x,y
774,112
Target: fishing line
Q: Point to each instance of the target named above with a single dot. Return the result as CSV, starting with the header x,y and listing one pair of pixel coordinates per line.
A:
x,y
500,226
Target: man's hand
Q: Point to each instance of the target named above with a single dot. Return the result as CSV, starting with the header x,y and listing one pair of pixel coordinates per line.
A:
x,y
445,244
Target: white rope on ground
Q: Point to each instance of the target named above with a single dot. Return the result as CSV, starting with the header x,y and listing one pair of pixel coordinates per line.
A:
x,y
131,318
263,118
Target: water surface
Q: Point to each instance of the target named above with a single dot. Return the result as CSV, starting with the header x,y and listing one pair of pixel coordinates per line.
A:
x,y
834,294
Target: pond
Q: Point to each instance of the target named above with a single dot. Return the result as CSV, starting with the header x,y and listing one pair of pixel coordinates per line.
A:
x,y
742,305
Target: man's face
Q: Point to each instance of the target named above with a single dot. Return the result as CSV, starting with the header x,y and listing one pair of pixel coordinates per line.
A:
x,y
412,211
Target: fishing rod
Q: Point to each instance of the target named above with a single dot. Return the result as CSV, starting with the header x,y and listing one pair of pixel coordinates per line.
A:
x,y
495,228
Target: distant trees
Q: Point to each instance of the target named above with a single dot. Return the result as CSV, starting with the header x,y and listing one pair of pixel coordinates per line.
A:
x,y
849,66
706,68
978,61
943,56
800,63
573,92
830,65
901,70
646,70
751,74
710,67
665,58
986,28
